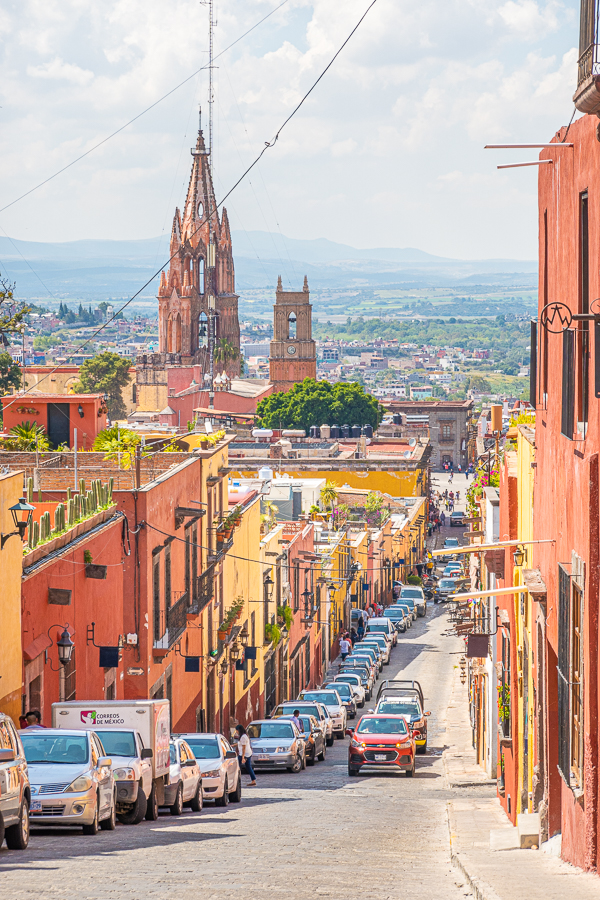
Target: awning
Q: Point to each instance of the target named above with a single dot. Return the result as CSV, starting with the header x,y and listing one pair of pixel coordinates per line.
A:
x,y
33,650
475,595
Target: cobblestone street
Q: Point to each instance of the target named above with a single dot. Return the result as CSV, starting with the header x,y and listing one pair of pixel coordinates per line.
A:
x,y
318,832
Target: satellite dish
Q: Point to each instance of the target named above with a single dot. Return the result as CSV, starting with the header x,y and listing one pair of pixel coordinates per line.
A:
x,y
412,442
406,454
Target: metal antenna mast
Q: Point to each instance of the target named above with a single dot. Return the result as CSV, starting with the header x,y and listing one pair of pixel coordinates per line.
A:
x,y
211,97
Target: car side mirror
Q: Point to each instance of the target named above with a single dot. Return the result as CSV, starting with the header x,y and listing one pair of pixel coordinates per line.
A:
x,y
349,732
190,762
104,761
428,713
416,734
7,755
147,753
231,754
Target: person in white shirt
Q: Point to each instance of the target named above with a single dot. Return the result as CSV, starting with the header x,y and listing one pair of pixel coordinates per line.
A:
x,y
345,647
244,751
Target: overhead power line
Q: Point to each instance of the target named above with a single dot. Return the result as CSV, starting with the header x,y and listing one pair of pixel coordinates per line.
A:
x,y
139,115
267,146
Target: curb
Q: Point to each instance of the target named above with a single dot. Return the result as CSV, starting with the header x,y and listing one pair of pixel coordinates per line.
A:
x,y
481,890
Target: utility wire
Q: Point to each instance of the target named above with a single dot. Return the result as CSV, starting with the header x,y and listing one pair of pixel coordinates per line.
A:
x,y
268,145
139,115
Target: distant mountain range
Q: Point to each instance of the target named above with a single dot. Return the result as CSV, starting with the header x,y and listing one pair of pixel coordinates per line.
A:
x,y
95,270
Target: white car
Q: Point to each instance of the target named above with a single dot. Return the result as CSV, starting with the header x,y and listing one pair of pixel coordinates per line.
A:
x,y
185,781
219,767
333,703
355,683
382,625
375,640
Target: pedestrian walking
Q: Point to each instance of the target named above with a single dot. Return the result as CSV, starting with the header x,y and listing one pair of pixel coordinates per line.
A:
x,y
450,477
245,752
353,636
360,631
458,496
443,518
345,648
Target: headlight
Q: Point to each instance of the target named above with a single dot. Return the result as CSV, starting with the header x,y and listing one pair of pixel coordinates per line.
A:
x,y
355,743
284,749
214,773
403,746
83,783
124,774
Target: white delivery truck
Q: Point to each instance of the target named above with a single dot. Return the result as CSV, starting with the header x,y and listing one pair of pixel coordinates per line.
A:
x,y
135,734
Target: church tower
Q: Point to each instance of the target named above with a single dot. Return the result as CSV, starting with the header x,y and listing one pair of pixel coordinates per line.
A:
x,y
201,269
293,355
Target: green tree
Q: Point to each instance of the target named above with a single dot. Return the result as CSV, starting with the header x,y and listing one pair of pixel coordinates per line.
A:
x,y
11,313
225,352
479,384
107,373
27,436
313,402
10,373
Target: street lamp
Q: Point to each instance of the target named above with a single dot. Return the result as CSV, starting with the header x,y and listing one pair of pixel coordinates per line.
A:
x,y
21,515
519,556
244,636
64,645
268,584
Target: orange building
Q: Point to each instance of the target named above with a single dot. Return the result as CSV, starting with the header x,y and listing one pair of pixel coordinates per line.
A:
x,y
59,415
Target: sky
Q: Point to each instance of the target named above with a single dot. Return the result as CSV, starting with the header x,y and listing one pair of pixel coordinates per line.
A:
x,y
386,152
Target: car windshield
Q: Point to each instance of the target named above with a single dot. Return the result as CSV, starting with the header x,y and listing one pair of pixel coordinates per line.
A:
x,y
204,748
304,723
381,725
347,679
399,707
380,627
119,743
343,690
411,592
271,730
447,583
451,542
304,709
396,613
326,697
456,515
51,748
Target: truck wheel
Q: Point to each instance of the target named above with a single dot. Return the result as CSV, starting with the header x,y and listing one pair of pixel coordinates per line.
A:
x,y
17,836
330,741
111,823
224,800
135,815
152,805
196,802
177,807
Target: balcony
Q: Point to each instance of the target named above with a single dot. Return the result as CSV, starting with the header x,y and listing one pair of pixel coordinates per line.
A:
x,y
587,95
217,553
170,626
205,591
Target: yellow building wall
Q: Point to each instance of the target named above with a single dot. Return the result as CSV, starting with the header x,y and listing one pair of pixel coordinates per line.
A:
x,y
11,557
49,380
397,484
524,611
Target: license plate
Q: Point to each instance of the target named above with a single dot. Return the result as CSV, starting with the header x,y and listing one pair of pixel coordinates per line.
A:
x,y
36,806
263,759
380,756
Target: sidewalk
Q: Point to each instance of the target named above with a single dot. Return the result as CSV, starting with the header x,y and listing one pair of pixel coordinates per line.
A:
x,y
475,812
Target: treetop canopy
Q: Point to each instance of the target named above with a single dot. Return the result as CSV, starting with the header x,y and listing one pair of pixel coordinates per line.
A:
x,y
313,402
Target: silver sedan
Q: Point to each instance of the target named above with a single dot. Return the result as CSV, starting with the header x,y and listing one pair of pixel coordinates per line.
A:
x,y
276,744
185,782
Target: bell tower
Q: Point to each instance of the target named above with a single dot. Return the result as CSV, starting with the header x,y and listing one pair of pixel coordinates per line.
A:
x,y
293,354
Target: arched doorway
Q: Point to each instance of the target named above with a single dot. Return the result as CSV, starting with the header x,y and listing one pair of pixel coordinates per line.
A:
x,y
292,326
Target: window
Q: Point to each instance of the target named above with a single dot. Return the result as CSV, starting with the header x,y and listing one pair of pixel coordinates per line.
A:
x,y
188,564
156,597
544,379
194,551
577,685
200,276
202,331
583,331
296,586
307,659
504,690
292,326
568,384
564,648
167,578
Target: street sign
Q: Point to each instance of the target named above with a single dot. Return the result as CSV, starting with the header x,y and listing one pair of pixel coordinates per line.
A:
x,y
135,670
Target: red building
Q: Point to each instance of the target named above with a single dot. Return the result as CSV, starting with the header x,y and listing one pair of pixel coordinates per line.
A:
x,y
59,415
566,499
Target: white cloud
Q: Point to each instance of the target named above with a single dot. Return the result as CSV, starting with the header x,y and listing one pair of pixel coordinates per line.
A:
x,y
409,102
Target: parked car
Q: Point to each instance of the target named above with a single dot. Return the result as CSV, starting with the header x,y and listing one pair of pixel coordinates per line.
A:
x,y
333,703
318,710
314,739
404,697
453,569
445,587
457,518
367,659
219,767
185,782
381,740
15,793
347,696
400,617
367,644
384,626
71,779
378,640
373,653
355,684
417,595
451,544
364,672
276,743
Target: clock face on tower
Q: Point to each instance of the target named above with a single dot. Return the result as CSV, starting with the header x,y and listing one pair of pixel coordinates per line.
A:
x,y
291,349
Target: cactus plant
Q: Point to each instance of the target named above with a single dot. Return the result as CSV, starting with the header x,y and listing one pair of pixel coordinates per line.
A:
x,y
29,490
